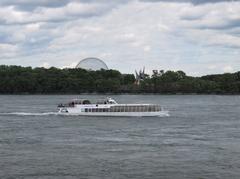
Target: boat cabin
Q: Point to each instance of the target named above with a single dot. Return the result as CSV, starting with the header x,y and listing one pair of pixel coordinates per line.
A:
x,y
87,102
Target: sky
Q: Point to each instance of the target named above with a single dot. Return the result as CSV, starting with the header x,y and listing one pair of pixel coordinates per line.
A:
x,y
197,36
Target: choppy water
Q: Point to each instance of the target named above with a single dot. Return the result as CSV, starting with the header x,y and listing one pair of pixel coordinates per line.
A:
x,y
200,139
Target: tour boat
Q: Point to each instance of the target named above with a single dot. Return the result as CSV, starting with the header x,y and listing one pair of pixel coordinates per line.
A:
x,y
109,107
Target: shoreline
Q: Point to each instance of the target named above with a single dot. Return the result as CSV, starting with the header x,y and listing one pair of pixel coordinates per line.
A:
x,y
159,94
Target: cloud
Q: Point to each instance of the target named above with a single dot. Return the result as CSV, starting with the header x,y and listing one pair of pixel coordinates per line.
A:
x,y
71,11
228,69
45,65
189,35
8,50
147,48
213,16
29,3
195,2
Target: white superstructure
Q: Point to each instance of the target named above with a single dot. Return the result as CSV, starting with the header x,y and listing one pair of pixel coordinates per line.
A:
x,y
110,107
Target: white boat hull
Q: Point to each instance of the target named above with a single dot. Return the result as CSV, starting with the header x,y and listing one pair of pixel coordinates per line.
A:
x,y
112,114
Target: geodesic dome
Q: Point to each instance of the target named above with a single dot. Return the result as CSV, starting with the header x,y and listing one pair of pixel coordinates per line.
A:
x,y
92,64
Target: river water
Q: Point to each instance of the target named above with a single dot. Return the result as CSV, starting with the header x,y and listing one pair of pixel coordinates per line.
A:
x,y
199,139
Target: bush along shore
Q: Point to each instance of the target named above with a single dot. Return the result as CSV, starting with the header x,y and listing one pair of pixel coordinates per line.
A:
x,y
27,80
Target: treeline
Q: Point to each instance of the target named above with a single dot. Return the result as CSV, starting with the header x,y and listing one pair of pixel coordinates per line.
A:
x,y
27,80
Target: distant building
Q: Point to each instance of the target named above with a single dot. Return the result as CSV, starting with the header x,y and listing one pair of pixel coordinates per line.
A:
x,y
92,64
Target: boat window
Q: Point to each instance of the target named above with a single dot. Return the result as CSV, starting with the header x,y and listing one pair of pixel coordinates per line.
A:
x,y
71,104
152,108
131,108
111,109
148,108
86,102
135,108
120,108
115,109
123,109
86,110
107,110
138,108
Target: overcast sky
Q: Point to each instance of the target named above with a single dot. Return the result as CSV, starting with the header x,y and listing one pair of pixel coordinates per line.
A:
x,y
196,36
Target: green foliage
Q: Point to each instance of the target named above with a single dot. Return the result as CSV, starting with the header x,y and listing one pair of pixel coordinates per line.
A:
x,y
21,80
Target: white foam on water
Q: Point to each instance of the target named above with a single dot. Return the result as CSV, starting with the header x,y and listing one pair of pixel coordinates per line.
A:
x,y
30,114
166,114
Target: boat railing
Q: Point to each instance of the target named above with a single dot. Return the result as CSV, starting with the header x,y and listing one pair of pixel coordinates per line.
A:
x,y
141,108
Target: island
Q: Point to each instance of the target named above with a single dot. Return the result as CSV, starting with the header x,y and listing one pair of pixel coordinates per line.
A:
x,y
28,80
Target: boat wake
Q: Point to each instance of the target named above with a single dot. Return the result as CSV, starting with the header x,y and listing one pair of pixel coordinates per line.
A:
x,y
32,114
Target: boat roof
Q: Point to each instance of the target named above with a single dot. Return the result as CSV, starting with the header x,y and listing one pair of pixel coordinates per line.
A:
x,y
98,101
